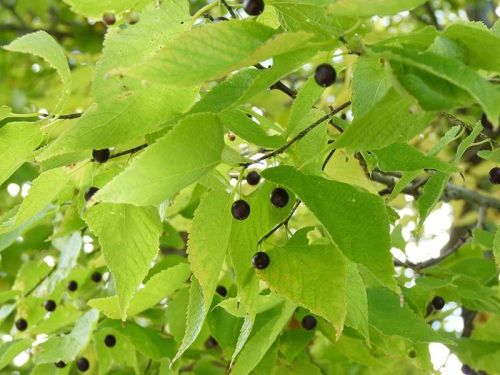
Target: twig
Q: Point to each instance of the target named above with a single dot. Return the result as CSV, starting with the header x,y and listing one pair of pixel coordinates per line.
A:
x,y
229,9
304,132
430,11
456,121
328,157
130,151
284,222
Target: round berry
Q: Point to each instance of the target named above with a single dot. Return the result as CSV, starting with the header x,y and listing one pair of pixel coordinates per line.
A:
x,y
90,192
325,75
72,286
279,197
101,156
253,178
231,136
438,302
466,369
261,260
240,209
132,18
60,364
50,305
487,125
82,364
221,290
110,341
309,322
254,7
96,277
108,19
21,324
495,175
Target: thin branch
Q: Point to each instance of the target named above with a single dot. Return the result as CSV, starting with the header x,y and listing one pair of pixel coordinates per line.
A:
x,y
451,191
229,9
456,121
432,15
130,151
328,157
284,222
304,132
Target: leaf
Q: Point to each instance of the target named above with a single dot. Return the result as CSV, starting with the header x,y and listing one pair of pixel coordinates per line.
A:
x,y
360,8
404,157
323,291
175,161
384,310
17,142
66,348
129,237
357,302
433,189
451,70
9,350
496,246
267,328
5,112
307,97
355,219
479,354
493,155
43,45
156,289
390,120
369,85
219,48
96,8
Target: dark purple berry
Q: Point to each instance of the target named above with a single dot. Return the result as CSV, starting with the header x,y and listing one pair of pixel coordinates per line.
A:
x,y
438,302
309,322
110,341
82,364
466,369
72,286
21,324
279,197
50,305
253,7
325,75
96,277
495,175
253,178
108,19
260,260
221,290
240,209
60,364
101,156
90,192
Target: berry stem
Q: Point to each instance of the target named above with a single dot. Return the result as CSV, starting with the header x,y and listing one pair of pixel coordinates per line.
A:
x,y
284,222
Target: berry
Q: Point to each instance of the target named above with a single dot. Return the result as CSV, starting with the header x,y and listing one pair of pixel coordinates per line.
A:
x,y
108,19
21,324
487,125
72,286
90,192
261,260
279,197
254,7
231,136
466,369
221,290
110,341
50,305
438,302
101,156
325,75
309,322
96,277
132,18
253,178
495,175
412,354
220,19
60,364
82,364
240,209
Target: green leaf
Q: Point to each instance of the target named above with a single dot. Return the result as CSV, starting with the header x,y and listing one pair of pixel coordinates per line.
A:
x,y
307,97
96,8
479,354
178,159
157,288
5,111
17,142
384,310
433,189
267,328
355,219
9,350
390,120
129,237
66,348
369,85
496,246
219,49
323,291
357,302
451,70
493,155
43,45
404,157
361,8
